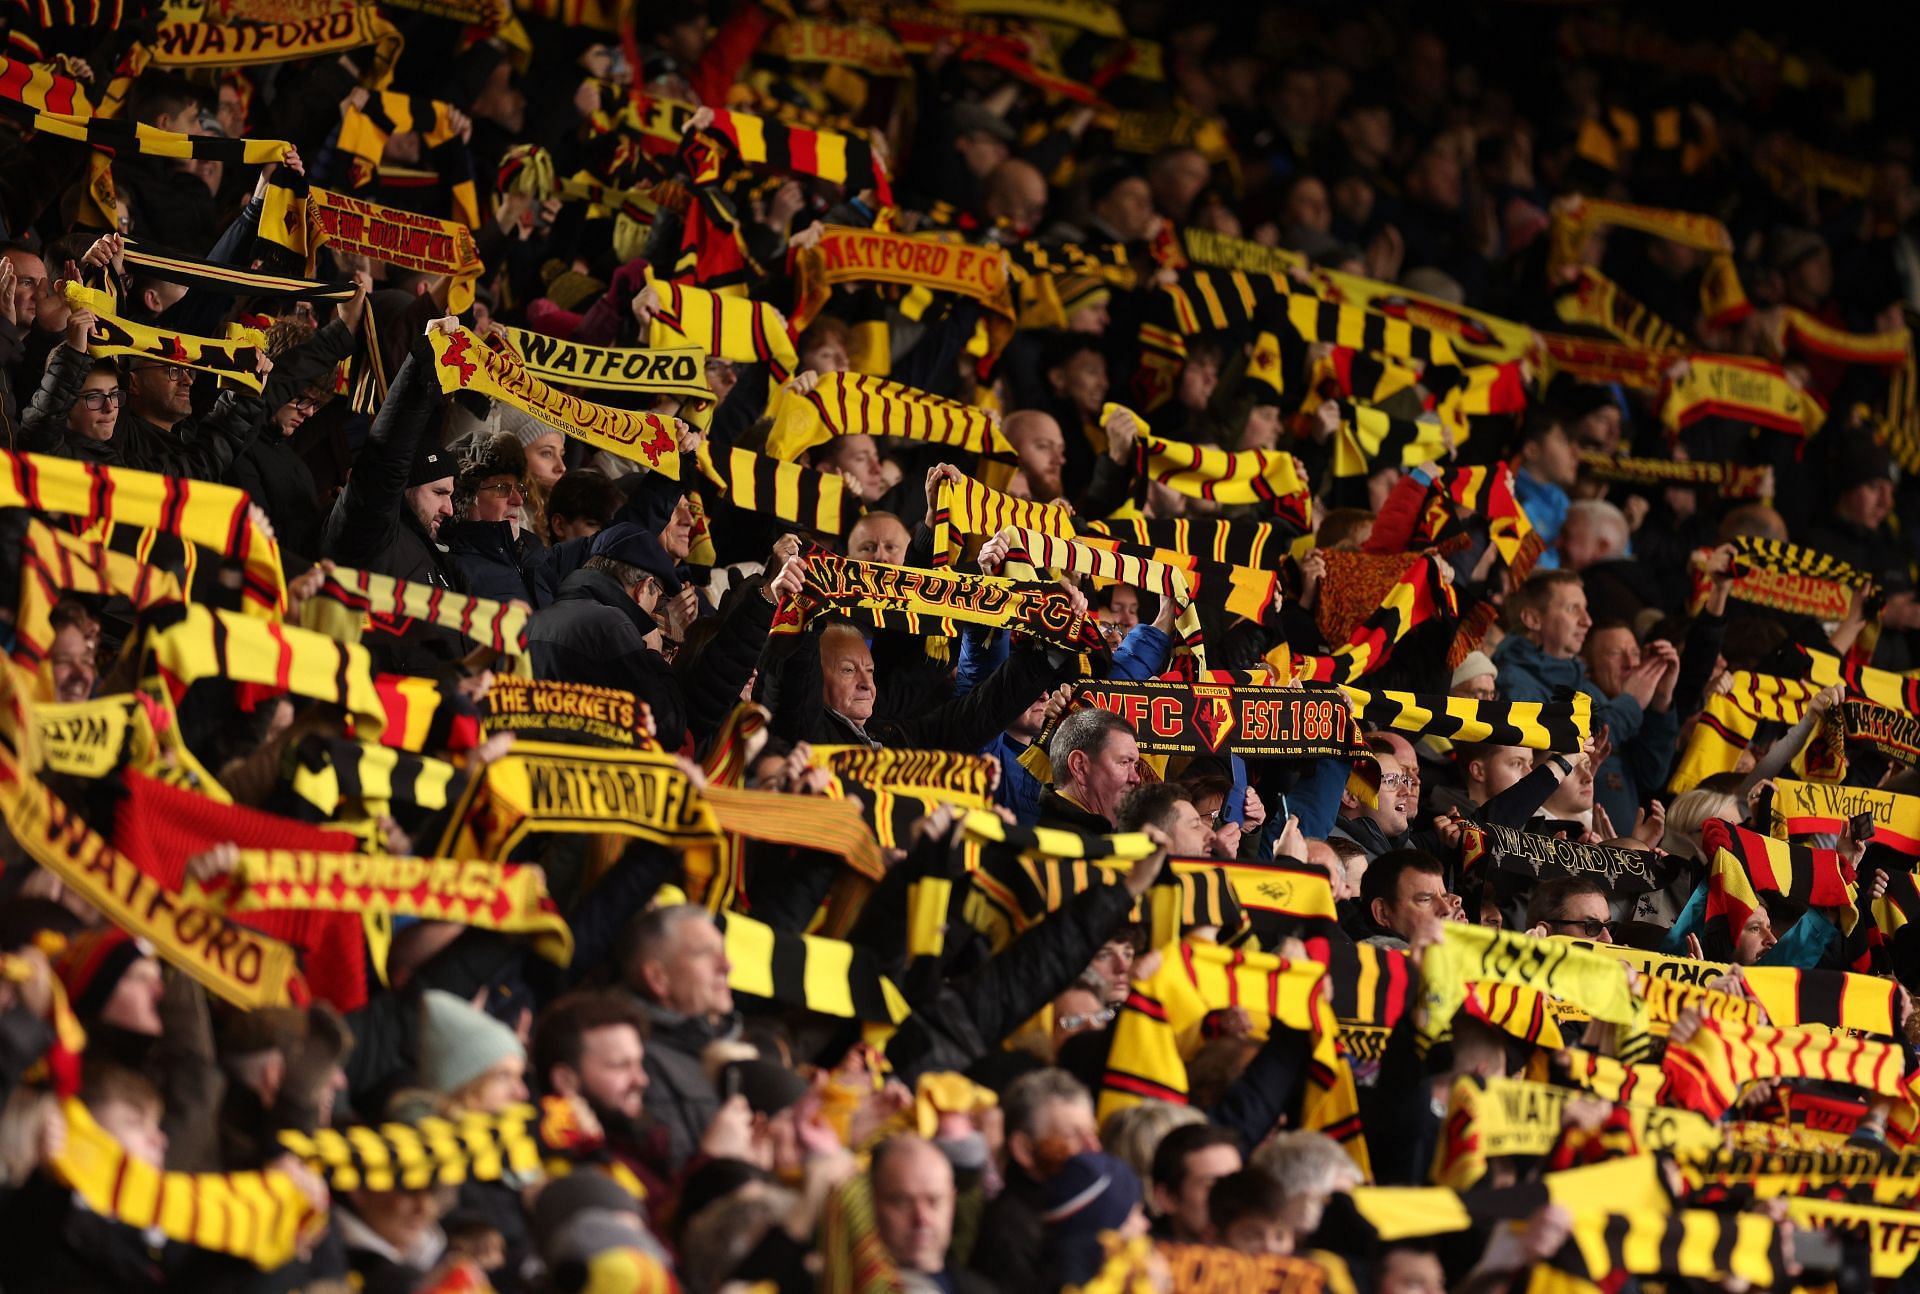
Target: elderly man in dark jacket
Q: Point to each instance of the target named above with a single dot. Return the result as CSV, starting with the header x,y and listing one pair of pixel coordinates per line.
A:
x,y
597,631
827,695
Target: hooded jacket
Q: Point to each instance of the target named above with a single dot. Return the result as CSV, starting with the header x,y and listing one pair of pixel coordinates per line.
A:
x,y
371,527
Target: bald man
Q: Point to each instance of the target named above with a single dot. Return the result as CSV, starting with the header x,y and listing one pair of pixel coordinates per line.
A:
x,y
1016,196
1041,449
849,692
879,537
913,1198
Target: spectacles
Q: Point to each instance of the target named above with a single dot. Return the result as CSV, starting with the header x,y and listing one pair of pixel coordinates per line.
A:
x,y
101,399
501,489
1588,927
1405,781
1091,1020
172,372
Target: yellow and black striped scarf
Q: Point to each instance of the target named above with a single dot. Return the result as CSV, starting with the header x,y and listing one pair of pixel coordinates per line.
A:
x,y
227,280
1537,725
1693,1243
261,1217
826,976
860,404
1033,552
1596,301
192,643
124,137
1358,328
1232,543
1370,438
812,500
327,772
1791,559
434,1151
971,508
233,358
346,596
732,328
1239,590
1158,1026
1202,472
364,133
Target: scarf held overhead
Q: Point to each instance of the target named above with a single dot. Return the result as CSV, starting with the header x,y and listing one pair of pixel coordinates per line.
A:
x,y
463,362
866,589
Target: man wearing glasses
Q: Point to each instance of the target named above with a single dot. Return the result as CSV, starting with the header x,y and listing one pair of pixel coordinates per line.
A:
x,y
1570,906
152,427
1375,827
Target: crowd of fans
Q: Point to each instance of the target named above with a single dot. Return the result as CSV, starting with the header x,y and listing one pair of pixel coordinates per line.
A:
x,y
724,1129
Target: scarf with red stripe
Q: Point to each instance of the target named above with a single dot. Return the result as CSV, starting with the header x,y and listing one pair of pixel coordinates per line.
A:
x,y
760,141
1148,1059
1422,594
1747,864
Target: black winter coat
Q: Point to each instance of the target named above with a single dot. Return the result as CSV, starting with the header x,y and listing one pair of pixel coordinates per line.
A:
x,y
594,633
202,447
272,472
963,723
371,527
492,564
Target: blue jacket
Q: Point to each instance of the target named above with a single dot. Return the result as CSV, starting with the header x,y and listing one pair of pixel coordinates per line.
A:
x,y
1141,655
1643,742
1546,507
1805,944
1019,790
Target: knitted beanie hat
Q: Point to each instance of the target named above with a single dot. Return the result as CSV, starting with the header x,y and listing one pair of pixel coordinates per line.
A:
x,y
525,427
92,964
459,1042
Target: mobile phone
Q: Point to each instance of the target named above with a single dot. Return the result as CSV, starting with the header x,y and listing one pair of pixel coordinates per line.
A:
x,y
1860,826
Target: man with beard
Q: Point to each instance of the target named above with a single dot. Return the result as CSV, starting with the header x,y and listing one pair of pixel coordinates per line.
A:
x,y
591,1045
1042,452
400,490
